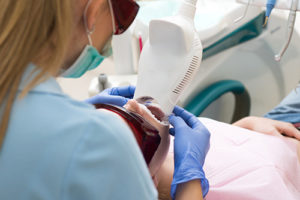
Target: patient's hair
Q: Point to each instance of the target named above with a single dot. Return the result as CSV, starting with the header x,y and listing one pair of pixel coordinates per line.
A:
x,y
31,30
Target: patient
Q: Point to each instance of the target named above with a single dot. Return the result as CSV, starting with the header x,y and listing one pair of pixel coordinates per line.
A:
x,y
241,164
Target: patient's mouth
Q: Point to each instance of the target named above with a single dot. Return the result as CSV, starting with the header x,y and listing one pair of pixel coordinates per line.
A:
x,y
154,108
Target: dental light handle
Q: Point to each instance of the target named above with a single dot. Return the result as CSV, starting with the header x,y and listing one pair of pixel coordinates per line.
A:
x,y
290,30
188,9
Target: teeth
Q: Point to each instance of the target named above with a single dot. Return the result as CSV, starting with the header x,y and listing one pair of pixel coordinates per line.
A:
x,y
154,117
149,111
148,105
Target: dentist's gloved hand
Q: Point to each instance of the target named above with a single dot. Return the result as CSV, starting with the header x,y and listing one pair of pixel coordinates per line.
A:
x,y
191,145
117,96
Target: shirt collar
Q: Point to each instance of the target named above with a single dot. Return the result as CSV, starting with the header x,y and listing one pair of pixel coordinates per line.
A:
x,y
48,86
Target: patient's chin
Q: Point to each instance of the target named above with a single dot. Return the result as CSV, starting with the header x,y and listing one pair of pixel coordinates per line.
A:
x,y
151,112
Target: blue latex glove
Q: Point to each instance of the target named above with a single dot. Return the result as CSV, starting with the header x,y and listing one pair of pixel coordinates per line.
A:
x,y
191,145
117,96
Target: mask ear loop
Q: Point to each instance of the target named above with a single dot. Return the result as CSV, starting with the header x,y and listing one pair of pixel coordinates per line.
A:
x,y
112,16
88,31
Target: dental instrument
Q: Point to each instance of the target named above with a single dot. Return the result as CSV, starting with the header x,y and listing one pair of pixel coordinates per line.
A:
x,y
168,62
269,7
291,24
245,13
102,78
280,4
170,58
293,6
232,51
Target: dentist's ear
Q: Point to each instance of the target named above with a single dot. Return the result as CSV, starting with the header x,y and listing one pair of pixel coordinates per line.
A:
x,y
92,10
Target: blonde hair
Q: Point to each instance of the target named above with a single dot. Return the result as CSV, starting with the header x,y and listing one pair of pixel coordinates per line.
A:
x,y
31,31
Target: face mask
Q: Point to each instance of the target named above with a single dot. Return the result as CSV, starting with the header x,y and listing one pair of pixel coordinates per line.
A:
x,y
89,58
107,49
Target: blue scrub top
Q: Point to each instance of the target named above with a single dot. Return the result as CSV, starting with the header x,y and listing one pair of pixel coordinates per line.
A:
x,y
59,148
289,109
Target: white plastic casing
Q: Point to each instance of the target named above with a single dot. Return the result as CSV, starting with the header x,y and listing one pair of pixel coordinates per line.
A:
x,y
169,60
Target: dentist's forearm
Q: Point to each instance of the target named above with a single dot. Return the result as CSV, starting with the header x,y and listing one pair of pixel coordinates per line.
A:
x,y
189,191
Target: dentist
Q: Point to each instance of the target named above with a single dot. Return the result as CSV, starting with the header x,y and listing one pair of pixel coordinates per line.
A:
x,y
54,147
